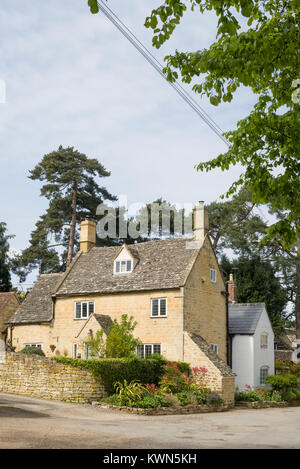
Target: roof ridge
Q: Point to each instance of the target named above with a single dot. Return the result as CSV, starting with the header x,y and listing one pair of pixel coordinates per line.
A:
x,y
144,242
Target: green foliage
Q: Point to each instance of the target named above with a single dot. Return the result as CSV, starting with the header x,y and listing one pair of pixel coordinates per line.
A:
x,y
282,365
93,4
109,371
120,341
153,401
5,278
292,394
266,142
257,395
33,351
129,393
161,219
282,382
96,344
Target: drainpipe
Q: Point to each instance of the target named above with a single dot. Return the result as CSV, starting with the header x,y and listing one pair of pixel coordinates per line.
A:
x,y
228,355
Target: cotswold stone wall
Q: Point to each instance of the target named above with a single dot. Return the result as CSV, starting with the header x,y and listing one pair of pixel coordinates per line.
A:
x,y
41,377
220,377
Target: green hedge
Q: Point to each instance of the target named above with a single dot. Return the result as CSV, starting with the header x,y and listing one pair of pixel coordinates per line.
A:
x,y
110,370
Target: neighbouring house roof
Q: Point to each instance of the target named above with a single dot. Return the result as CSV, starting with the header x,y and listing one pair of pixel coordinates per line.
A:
x,y
214,358
243,317
285,340
5,297
161,264
37,306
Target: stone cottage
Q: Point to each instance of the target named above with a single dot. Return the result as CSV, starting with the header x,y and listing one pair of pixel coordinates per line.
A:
x,y
173,288
251,340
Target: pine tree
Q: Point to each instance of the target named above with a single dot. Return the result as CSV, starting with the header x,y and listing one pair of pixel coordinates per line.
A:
x,y
70,185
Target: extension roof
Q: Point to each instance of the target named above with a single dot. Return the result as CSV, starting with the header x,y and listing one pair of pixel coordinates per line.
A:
x,y
214,358
244,317
37,306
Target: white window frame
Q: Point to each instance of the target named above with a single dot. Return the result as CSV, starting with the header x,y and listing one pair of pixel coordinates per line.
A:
x,y
213,275
120,263
263,372
146,347
215,348
159,315
264,340
89,310
38,345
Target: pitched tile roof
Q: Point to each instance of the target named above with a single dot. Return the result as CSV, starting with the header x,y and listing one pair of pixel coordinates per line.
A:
x,y
214,358
105,321
243,317
5,297
161,264
37,306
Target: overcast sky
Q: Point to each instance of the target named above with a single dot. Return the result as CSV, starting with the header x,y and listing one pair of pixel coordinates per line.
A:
x,y
72,79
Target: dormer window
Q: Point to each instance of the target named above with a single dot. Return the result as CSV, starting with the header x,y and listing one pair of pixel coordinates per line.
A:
x,y
123,267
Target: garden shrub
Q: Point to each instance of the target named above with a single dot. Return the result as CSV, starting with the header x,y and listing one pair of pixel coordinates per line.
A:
x,y
282,382
33,351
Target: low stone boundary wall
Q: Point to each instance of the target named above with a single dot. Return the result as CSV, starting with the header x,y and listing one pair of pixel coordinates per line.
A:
x,y
189,409
265,404
42,377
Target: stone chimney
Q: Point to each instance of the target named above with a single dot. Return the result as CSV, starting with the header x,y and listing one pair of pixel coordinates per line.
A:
x,y
232,290
200,221
87,235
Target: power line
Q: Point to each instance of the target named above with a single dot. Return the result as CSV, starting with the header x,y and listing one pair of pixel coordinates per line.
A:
x,y
159,68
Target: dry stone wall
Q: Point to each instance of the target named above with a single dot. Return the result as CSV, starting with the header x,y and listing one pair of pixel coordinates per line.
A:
x,y
41,377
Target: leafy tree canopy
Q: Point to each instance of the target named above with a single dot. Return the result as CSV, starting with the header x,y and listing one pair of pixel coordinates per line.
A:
x,y
264,56
120,340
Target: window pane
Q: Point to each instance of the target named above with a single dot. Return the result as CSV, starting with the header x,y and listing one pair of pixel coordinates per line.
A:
x,y
91,307
123,266
163,307
128,266
263,373
154,308
140,351
118,266
156,348
148,350
78,310
84,310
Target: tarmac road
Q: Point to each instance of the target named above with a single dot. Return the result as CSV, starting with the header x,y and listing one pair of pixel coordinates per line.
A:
x,y
42,424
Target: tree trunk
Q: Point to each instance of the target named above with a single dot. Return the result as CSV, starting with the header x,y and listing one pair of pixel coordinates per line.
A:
x,y
73,225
